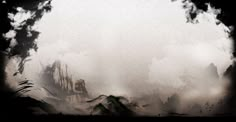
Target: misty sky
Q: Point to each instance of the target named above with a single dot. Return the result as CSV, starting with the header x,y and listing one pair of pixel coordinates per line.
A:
x,y
130,46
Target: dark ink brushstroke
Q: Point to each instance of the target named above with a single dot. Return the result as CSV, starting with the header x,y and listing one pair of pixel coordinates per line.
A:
x,y
26,43
11,104
228,17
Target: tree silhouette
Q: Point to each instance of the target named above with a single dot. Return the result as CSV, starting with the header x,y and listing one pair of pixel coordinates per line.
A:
x,y
25,37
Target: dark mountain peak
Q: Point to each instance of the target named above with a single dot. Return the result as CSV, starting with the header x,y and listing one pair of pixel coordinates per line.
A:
x,y
100,109
110,105
228,71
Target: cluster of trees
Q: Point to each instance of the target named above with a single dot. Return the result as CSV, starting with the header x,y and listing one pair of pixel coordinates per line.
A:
x,y
24,36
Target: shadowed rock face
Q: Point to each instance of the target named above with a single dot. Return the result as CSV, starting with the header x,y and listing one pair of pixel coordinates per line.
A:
x,y
80,88
60,87
56,80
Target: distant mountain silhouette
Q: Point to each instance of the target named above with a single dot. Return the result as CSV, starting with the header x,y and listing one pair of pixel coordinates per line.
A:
x,y
212,71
